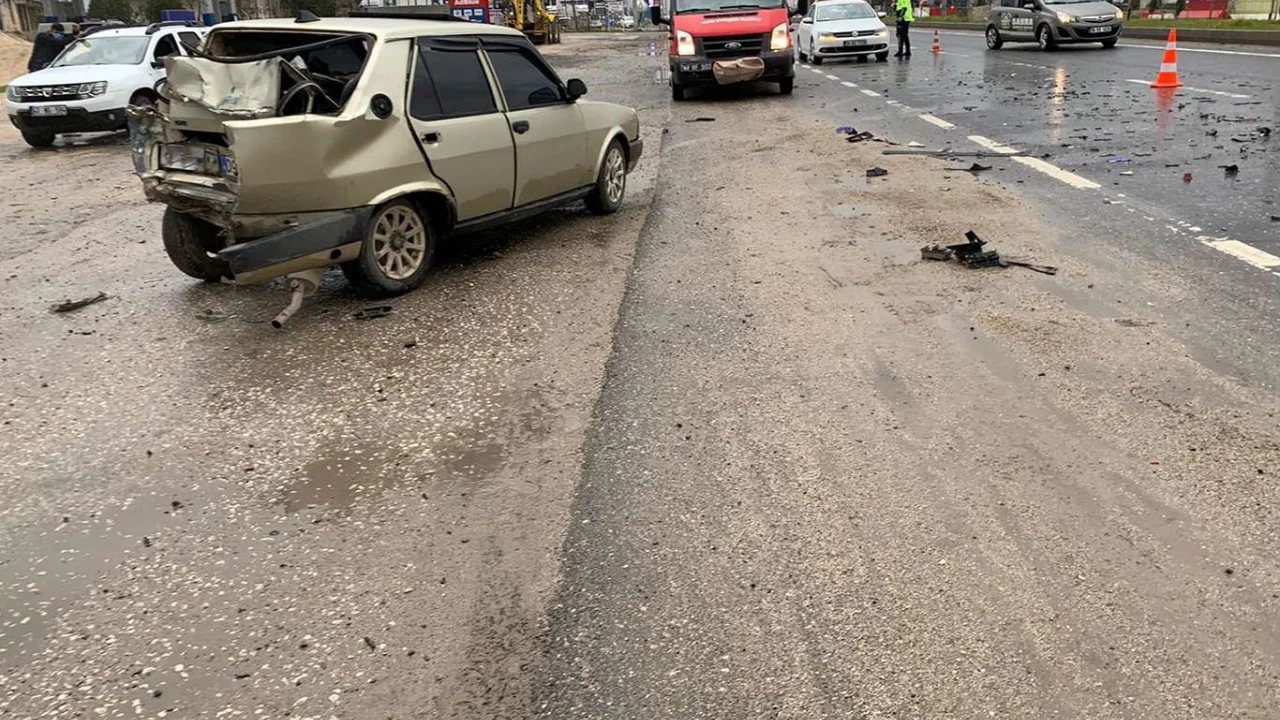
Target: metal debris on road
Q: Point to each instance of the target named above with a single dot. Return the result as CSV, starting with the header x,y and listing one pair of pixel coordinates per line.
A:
x,y
369,641
877,172
1186,177
971,254
370,313
1230,170
72,305
974,168
210,315
701,119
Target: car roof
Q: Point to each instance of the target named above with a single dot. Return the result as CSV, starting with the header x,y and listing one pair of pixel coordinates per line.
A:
x,y
141,31
386,28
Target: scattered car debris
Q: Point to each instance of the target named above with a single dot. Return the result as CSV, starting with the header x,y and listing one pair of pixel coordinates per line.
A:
x,y
73,305
1275,218
1186,177
859,137
877,172
370,313
974,168
700,119
411,344
971,254
1119,160
1127,172
210,315
914,144
1130,322
1230,170
369,641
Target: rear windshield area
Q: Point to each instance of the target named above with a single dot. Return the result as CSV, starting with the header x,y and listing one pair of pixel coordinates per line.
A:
x,y
327,65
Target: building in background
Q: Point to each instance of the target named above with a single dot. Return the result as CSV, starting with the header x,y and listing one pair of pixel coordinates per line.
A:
x,y
20,16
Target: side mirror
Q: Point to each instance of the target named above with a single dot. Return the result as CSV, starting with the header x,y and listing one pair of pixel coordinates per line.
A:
x,y
655,15
806,21
576,89
157,64
882,14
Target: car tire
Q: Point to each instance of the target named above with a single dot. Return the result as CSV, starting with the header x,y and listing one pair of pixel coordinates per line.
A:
x,y
611,182
677,92
786,86
1109,44
192,245
398,248
803,57
994,41
882,57
1044,37
38,138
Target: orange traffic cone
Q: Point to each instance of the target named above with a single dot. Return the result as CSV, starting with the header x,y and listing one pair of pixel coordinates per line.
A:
x,y
1168,77
937,42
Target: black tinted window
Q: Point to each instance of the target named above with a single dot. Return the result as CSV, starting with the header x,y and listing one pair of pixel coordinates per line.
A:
x,y
524,83
165,47
189,39
457,81
423,102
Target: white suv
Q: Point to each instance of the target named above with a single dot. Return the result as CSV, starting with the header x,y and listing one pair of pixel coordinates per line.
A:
x,y
88,86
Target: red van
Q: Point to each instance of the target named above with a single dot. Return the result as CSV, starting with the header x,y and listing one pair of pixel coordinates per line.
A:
x,y
717,42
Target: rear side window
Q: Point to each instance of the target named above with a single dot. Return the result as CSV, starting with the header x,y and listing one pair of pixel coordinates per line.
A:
x,y
189,39
449,83
524,83
165,47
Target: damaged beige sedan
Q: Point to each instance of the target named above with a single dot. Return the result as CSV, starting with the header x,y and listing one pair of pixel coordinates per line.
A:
x,y
284,147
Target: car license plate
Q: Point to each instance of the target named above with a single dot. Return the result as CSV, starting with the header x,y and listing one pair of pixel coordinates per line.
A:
x,y
1100,29
48,110
695,67
854,43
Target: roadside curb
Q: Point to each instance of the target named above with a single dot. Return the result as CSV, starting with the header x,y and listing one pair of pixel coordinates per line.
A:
x,y
1270,38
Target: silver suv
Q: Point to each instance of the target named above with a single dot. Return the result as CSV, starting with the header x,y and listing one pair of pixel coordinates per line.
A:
x,y
1053,22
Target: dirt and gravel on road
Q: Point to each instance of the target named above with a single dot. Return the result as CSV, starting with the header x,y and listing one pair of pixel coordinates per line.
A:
x,y
735,452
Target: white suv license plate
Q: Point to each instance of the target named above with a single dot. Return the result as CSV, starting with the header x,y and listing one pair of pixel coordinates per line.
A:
x,y
48,110
1100,30
854,43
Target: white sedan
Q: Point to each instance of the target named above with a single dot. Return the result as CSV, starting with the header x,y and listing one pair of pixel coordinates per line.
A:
x,y
842,28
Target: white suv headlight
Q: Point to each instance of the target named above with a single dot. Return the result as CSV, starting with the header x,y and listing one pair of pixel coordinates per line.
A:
x,y
781,37
88,90
684,43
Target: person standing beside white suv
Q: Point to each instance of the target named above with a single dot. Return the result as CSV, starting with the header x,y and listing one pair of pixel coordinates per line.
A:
x,y
87,87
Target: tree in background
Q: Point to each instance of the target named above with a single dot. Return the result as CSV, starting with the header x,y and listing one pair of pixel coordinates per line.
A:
x,y
322,8
113,10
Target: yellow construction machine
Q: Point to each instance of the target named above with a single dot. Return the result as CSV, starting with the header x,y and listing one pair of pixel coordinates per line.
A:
x,y
532,18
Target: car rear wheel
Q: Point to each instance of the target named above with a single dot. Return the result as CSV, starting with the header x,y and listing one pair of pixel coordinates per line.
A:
x,y
38,138
786,85
1108,44
1044,36
192,245
611,183
994,41
397,252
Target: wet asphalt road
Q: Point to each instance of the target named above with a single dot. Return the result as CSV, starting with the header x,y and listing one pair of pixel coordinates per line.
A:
x,y
735,452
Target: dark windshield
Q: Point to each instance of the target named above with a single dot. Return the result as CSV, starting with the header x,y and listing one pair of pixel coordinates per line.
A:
x,y
705,6
104,51
1067,2
843,11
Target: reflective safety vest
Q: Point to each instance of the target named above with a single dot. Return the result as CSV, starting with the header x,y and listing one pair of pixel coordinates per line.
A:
x,y
903,10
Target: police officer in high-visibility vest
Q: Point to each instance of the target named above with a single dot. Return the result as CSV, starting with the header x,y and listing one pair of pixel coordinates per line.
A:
x,y
903,10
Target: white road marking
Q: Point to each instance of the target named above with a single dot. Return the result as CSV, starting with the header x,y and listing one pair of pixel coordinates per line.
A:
x,y
1188,88
815,70
832,77
1181,47
1039,165
846,83
1242,251
937,121
871,93
806,67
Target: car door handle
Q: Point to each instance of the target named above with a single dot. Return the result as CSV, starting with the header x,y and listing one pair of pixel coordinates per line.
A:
x,y
520,126
431,137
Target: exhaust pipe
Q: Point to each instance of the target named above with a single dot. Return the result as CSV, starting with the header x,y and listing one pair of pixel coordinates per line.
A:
x,y
301,284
